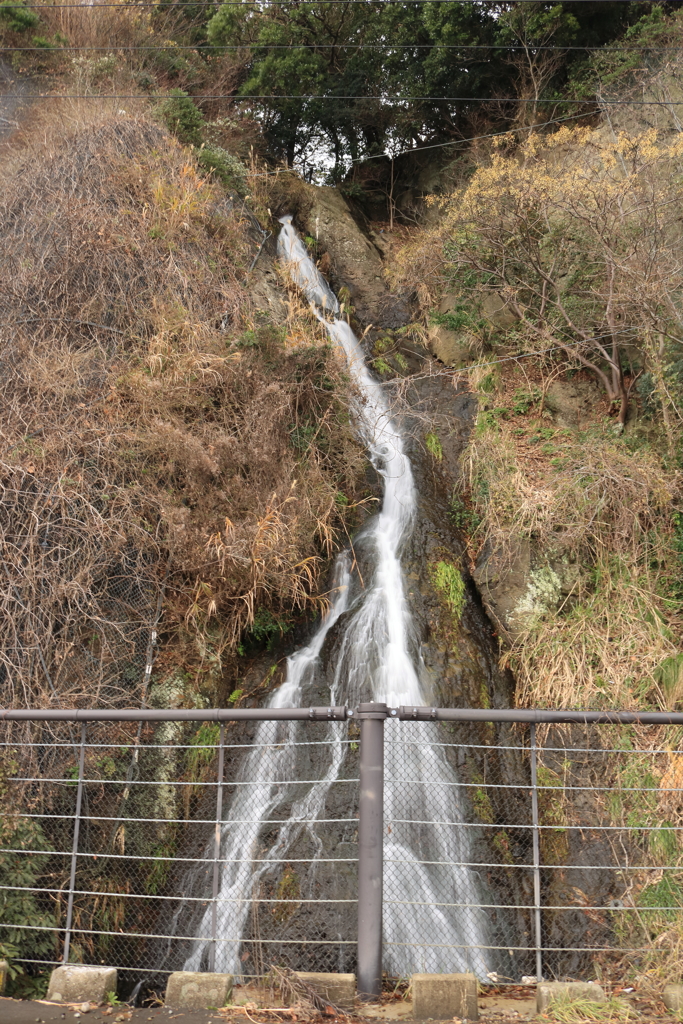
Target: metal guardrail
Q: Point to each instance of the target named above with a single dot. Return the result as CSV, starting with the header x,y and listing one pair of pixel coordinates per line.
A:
x,y
375,839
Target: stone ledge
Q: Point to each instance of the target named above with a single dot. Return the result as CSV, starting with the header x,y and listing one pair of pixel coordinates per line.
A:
x,y
75,983
548,991
444,996
340,989
195,990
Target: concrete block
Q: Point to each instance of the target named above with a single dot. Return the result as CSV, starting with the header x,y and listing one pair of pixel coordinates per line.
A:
x,y
340,989
444,996
74,983
4,969
672,997
190,990
548,991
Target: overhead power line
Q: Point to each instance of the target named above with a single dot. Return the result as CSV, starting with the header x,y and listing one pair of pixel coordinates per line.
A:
x,y
258,3
336,98
202,48
479,138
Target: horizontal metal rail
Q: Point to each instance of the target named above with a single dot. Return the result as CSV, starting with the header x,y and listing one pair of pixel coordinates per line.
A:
x,y
293,901
335,714
536,716
351,860
403,713
516,826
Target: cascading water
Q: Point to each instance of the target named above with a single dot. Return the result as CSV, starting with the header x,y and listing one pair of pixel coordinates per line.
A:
x,y
426,857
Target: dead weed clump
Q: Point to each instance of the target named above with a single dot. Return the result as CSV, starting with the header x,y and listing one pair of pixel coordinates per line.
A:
x,y
140,441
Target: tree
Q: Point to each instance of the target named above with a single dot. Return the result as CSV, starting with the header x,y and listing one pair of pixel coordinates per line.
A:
x,y
406,65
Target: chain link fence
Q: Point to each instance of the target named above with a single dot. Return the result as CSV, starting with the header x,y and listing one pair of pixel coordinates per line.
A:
x,y
510,850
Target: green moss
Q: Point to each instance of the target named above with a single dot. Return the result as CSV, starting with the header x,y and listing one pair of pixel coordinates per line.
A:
x,y
288,892
448,580
433,445
482,806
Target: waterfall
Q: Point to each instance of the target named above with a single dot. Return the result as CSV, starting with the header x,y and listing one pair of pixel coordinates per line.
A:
x,y
426,855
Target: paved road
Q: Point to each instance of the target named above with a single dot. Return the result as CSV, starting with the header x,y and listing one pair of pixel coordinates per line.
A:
x,y
21,1011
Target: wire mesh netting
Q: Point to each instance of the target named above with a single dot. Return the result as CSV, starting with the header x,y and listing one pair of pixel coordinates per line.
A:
x,y
165,868
602,848
78,614
160,846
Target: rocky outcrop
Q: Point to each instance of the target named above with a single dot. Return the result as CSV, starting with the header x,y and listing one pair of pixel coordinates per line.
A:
x,y
352,259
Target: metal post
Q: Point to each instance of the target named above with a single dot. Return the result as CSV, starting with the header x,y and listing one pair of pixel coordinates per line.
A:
x,y
217,847
74,849
537,856
370,848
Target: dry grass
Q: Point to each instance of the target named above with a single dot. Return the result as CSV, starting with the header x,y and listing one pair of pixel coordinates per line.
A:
x,y
134,430
601,508
574,1011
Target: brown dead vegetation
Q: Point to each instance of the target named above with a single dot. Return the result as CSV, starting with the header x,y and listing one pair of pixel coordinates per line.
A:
x,y
138,438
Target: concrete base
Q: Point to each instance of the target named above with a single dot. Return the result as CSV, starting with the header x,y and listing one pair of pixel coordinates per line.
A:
x,y
672,997
76,984
444,996
4,969
340,989
190,990
548,991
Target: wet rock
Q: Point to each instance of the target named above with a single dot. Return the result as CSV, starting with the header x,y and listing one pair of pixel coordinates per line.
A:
x,y
354,261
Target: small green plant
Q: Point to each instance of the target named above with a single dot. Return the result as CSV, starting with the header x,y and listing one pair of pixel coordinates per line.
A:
x,y
381,366
112,999
456,319
523,400
433,445
235,697
230,171
302,436
353,189
448,581
202,748
182,117
462,517
267,629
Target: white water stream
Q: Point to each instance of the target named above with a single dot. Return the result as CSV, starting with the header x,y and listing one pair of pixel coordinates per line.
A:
x,y
426,927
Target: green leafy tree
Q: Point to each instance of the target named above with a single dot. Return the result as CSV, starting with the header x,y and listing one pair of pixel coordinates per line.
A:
x,y
415,49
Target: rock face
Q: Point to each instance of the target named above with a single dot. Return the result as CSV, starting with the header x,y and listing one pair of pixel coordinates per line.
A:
x,y
354,262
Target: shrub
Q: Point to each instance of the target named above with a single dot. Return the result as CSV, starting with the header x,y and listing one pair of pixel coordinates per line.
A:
x,y
230,171
16,17
182,117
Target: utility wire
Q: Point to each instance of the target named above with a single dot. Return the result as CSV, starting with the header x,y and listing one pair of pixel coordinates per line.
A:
x,y
262,3
478,138
334,98
202,48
